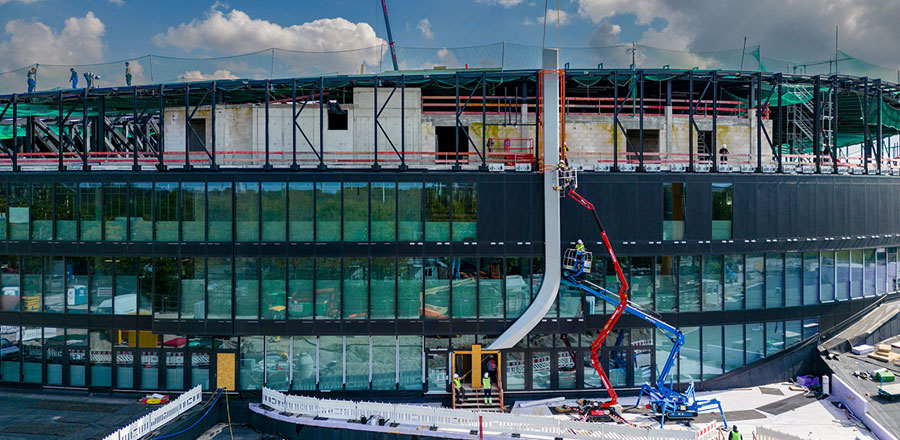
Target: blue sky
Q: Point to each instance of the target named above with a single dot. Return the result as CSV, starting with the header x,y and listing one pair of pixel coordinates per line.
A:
x,y
57,31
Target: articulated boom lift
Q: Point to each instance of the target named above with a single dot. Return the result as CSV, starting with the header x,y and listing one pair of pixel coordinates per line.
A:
x,y
664,400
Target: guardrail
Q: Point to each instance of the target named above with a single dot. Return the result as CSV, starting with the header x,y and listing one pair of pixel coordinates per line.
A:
x,y
460,419
158,417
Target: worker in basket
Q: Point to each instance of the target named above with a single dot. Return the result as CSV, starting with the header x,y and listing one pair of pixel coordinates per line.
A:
x,y
579,255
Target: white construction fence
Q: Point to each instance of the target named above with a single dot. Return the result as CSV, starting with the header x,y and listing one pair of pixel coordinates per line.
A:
x,y
460,419
158,417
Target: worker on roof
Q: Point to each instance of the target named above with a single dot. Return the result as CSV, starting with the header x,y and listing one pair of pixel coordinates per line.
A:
x,y
127,73
486,385
734,435
723,153
73,77
32,78
458,390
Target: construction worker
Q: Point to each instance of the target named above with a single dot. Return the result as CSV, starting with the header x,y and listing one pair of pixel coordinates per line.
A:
x,y
734,435
458,390
73,77
32,78
579,247
723,153
127,73
486,385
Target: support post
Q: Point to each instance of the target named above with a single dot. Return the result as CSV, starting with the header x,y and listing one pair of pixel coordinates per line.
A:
x,y
691,121
322,165
866,143
778,79
834,124
403,122
615,121
294,166
753,98
640,122
134,123
456,166
84,132
879,143
817,123
187,126
214,165
375,165
267,165
15,129
484,147
715,123
59,126
161,164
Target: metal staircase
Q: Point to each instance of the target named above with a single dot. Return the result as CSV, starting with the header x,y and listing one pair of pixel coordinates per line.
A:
x,y
801,119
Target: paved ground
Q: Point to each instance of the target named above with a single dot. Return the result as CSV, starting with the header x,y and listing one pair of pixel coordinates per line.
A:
x,y
29,415
881,409
241,432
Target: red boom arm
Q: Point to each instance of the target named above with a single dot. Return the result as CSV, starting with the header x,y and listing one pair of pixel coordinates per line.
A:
x,y
620,308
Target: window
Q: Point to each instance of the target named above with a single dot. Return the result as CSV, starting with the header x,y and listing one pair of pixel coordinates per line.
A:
x,y
642,281
42,211
793,333
880,271
384,286
20,211
356,211
166,222
193,211
721,211
273,271
490,289
300,211
449,140
328,211
712,282
793,279
10,295
357,362
774,337
734,282
651,141
246,288
141,214
690,355
328,288
193,288
465,211
755,332
4,217
410,362
331,363
384,210
518,286
856,273
300,288
712,351
842,276
827,277
734,346
384,362
409,288
673,211
356,288
165,284
54,284
246,216
689,284
437,287
252,365
66,207
337,121
774,281
129,273
218,289
219,197
891,270
278,362
810,278
32,284
409,215
464,287
115,211
77,294
274,211
755,282
437,211
868,272
665,283
305,363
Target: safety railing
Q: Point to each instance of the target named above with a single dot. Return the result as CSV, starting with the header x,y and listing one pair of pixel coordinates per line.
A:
x,y
158,417
465,420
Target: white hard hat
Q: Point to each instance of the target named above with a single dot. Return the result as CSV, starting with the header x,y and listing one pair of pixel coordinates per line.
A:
x,y
580,242
455,376
485,375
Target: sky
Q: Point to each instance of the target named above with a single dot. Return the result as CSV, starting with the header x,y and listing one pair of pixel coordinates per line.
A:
x,y
90,31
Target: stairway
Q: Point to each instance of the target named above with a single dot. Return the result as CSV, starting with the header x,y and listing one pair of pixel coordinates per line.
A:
x,y
474,401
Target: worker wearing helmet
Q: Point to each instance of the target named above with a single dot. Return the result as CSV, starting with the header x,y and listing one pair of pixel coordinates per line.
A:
x,y
579,247
734,435
486,385
458,390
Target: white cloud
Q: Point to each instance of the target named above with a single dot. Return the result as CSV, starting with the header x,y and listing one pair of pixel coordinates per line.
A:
x,y
424,27
78,42
3,2
505,3
605,34
564,18
196,75
118,2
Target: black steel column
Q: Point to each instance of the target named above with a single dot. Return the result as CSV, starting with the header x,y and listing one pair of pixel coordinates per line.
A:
x,y
750,106
294,165
484,148
817,123
878,132
690,121
84,132
866,143
615,120
161,164
456,132
834,124
134,124
778,78
322,165
59,126
212,140
15,129
187,126
267,165
403,122
759,117
375,165
715,121
641,121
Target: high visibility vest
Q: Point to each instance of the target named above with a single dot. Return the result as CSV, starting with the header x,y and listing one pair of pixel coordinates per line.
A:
x,y
456,383
735,436
486,382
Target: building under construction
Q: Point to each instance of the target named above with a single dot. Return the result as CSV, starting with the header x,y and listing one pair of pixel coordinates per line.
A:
x,y
384,232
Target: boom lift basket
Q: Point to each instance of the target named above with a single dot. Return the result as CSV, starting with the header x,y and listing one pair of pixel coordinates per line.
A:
x,y
572,260
566,179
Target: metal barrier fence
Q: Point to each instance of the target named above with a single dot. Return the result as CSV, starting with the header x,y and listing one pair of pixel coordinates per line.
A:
x,y
158,417
459,419
763,433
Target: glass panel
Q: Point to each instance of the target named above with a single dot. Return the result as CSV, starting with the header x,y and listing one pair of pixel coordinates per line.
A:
x,y
642,345
278,362
810,278
356,211
300,286
32,360
54,359
774,337
591,378
437,364
10,293
218,290
410,362
141,214
126,300
149,370
665,283
77,291
20,211
842,278
246,288
663,351
12,348
688,284
193,211
165,283
200,370
115,211
642,281
331,363
793,279
100,285
869,272
856,273
90,197
384,362
464,287
673,211
193,288
384,286
437,287
690,355
409,213
793,333
810,328
357,364
219,195
540,370
465,211
273,288
301,214
328,211
304,363
66,222
437,211
54,284
600,271
755,281
174,362
252,362
32,284
166,213
827,277
246,216
518,285
774,280
4,217
409,288
356,288
274,210
712,351
891,270
880,271
734,347
734,282
722,194
384,210
42,211
328,288
712,282
490,290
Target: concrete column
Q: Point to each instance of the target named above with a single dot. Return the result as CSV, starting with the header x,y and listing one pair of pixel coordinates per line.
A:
x,y
549,289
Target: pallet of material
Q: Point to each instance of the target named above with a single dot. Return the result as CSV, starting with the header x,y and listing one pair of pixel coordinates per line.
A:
x,y
896,345
891,392
863,349
884,354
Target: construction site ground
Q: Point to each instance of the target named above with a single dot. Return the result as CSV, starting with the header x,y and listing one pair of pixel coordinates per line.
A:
x,y
774,406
